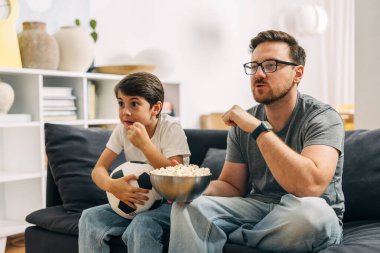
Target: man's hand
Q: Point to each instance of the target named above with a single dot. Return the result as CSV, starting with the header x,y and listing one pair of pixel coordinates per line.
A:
x,y
237,116
138,135
130,195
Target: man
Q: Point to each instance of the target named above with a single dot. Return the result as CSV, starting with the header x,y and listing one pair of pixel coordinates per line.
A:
x,y
281,184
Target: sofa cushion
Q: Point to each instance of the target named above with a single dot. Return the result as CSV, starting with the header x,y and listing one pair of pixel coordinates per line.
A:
x,y
72,153
358,236
214,160
361,175
55,219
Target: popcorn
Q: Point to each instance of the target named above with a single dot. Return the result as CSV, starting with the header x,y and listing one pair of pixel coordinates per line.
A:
x,y
181,170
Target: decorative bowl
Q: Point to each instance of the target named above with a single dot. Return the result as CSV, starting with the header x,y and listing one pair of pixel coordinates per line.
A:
x,y
180,188
124,69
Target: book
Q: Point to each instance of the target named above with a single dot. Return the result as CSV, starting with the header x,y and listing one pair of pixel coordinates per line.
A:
x,y
59,102
61,108
91,100
59,97
57,92
60,118
59,113
167,108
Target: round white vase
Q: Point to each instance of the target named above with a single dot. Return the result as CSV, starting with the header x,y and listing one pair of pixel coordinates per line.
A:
x,y
76,49
7,97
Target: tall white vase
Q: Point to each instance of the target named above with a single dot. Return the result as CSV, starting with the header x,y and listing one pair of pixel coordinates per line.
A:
x,y
76,49
7,97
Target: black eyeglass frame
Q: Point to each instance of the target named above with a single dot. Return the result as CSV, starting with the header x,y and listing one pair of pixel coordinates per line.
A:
x,y
260,64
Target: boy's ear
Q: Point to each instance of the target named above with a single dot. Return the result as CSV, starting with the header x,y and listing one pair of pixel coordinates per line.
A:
x,y
157,108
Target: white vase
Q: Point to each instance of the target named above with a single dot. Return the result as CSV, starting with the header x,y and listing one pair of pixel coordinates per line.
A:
x,y
76,49
7,97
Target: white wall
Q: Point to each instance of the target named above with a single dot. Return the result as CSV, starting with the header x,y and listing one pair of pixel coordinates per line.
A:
x,y
59,13
208,41
367,59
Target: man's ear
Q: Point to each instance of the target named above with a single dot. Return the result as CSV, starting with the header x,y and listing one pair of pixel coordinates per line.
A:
x,y
299,74
156,109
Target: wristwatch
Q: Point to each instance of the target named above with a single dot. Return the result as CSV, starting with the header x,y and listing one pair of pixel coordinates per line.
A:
x,y
263,127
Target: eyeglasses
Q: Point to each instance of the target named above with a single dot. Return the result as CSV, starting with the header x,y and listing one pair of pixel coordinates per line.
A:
x,y
267,66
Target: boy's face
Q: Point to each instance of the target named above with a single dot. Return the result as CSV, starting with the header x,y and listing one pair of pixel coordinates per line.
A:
x,y
137,109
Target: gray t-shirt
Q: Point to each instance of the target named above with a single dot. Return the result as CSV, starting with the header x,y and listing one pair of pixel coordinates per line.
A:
x,y
311,123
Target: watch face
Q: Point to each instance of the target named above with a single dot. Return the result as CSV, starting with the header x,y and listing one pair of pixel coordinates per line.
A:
x,y
266,125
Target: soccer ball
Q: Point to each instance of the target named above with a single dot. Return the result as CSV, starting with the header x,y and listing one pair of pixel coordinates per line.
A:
x,y
142,171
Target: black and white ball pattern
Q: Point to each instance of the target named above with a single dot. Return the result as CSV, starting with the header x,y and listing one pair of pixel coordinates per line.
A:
x,y
142,171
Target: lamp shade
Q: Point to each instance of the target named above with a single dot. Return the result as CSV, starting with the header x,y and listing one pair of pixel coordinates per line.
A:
x,y
312,19
307,19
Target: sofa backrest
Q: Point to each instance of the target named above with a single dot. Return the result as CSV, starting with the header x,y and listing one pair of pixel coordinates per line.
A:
x,y
72,153
361,172
201,140
361,175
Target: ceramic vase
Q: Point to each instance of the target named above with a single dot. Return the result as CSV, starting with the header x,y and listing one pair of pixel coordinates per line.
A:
x,y
76,47
39,50
7,97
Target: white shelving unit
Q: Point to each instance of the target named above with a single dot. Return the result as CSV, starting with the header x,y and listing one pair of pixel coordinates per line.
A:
x,y
22,158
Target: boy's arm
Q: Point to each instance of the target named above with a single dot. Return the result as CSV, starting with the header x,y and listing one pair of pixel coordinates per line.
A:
x,y
118,187
140,139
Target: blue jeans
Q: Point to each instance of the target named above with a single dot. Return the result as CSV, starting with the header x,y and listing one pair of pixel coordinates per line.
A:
x,y
294,225
142,234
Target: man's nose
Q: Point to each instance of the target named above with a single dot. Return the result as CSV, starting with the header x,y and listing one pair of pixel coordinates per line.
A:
x,y
260,72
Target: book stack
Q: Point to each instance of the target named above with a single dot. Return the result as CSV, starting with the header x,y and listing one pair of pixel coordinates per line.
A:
x,y
167,108
59,104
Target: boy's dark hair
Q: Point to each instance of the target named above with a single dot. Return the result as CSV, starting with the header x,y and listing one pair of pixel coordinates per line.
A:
x,y
297,53
144,85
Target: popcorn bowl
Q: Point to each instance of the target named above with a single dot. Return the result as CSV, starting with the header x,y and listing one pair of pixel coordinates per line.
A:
x,y
180,188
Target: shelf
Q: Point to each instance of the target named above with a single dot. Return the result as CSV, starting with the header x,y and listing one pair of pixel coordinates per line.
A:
x,y
20,124
60,73
72,122
22,144
8,227
103,121
6,176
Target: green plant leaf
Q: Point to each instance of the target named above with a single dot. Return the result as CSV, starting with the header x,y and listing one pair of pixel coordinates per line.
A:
x,y
77,22
93,24
94,36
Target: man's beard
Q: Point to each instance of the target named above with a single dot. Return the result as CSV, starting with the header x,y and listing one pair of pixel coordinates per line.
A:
x,y
271,98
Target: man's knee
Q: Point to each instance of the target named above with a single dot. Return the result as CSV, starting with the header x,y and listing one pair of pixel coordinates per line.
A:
x,y
313,214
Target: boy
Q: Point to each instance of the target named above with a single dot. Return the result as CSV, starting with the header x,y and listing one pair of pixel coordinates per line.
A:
x,y
147,136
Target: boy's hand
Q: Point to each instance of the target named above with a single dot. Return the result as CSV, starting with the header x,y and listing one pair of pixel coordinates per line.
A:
x,y
174,162
138,135
130,195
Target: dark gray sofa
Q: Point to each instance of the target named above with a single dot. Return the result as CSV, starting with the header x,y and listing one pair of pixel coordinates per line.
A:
x,y
73,151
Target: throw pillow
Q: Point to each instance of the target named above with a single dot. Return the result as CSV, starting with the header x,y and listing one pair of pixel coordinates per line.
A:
x,y
361,175
214,160
72,153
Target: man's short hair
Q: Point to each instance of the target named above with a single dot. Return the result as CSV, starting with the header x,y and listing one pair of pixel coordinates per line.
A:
x,y
297,53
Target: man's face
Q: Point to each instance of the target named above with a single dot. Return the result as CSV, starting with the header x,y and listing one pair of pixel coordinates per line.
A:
x,y
268,88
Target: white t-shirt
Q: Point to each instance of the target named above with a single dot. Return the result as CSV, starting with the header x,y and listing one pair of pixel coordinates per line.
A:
x,y
169,137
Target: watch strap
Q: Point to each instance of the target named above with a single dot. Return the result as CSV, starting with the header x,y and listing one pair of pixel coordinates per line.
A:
x,y
263,127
